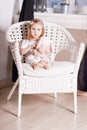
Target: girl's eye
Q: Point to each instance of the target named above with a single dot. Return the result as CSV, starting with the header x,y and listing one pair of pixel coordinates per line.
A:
x,y
33,28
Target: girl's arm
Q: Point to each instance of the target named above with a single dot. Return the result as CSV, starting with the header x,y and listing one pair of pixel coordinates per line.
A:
x,y
25,50
25,47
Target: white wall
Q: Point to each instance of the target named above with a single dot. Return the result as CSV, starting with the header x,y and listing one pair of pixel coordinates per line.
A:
x,y
20,4
7,9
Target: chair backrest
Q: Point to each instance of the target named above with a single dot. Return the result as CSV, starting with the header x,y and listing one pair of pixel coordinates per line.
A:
x,y
61,38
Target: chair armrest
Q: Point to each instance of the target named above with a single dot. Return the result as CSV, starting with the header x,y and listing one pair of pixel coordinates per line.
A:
x,y
78,55
14,47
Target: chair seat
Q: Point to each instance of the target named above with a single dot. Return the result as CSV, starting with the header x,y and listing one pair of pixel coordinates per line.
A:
x,y
57,68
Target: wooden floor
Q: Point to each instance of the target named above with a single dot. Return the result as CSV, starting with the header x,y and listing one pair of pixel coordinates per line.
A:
x,y
42,112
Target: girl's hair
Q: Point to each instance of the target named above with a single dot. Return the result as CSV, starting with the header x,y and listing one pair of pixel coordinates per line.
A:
x,y
35,21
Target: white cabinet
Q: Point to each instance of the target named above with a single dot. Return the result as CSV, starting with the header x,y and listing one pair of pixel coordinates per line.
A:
x,y
70,21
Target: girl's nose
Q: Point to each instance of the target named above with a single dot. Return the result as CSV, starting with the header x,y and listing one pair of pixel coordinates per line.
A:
x,y
35,30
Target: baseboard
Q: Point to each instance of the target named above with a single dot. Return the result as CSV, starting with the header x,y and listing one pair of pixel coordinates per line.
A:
x,y
5,82
81,93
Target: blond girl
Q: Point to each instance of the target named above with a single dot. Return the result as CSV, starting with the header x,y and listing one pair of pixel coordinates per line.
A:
x,y
36,46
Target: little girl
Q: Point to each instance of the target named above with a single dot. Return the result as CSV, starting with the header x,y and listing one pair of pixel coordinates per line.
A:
x,y
36,46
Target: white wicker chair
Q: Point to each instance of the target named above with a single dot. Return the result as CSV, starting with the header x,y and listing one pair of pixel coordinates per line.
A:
x,y
63,80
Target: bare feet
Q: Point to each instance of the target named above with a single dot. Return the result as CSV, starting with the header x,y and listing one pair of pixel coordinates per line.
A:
x,y
44,65
34,66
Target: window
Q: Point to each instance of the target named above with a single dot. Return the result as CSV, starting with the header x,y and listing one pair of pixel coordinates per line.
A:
x,y
80,2
54,3
78,6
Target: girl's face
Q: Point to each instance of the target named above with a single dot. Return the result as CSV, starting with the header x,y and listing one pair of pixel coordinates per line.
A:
x,y
36,31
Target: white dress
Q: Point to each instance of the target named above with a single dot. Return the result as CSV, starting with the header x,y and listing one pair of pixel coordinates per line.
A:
x,y
35,59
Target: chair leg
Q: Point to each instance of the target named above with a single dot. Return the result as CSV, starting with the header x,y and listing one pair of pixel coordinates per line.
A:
x,y
55,95
75,102
12,90
19,104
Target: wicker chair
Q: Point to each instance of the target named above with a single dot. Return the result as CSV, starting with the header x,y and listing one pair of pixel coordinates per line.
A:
x,y
61,78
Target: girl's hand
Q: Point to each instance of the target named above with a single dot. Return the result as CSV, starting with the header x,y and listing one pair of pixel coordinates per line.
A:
x,y
47,51
42,49
33,46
